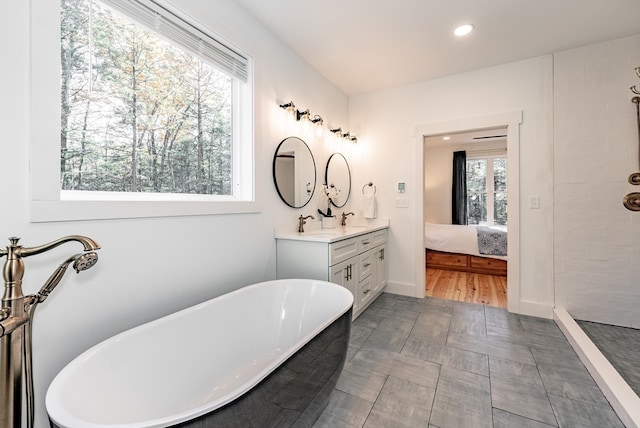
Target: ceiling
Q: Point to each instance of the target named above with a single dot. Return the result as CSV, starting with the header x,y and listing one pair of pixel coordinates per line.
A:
x,y
470,137
368,45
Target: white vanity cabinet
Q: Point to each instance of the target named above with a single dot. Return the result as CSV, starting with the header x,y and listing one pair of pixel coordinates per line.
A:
x,y
354,260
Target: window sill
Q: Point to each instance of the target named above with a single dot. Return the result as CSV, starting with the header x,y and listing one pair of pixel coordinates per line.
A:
x,y
57,211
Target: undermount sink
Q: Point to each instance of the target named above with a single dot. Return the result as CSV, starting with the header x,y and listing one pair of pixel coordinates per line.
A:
x,y
323,232
317,234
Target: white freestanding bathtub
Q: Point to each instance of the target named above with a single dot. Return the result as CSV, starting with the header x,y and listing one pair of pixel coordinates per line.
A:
x,y
268,354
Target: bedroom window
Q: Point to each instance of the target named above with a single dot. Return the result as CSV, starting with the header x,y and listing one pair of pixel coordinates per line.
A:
x,y
487,191
150,105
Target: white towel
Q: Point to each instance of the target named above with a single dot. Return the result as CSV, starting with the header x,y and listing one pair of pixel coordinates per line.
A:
x,y
369,206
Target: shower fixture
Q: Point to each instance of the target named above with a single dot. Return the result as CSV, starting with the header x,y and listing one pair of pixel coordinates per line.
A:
x,y
16,319
631,201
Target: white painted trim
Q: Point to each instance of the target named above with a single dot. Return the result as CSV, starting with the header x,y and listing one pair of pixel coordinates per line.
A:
x,y
402,289
512,121
55,211
47,204
622,398
536,309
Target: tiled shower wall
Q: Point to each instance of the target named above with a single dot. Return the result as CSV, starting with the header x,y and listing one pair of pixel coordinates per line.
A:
x,y
596,239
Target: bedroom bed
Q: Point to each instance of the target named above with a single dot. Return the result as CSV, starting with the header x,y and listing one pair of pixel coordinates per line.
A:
x,y
461,248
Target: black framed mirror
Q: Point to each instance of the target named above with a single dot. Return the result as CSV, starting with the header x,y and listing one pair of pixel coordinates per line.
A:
x,y
337,178
294,172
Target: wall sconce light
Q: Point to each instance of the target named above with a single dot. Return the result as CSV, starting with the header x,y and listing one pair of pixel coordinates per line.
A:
x,y
290,106
317,120
303,115
344,136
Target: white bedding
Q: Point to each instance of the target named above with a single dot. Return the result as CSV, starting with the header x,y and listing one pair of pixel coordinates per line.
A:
x,y
453,238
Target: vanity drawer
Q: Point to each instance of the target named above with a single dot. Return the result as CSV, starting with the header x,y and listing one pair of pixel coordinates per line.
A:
x,y
365,265
364,292
378,237
365,242
343,250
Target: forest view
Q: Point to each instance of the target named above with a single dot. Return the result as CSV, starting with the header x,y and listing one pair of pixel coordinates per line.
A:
x,y
481,191
139,114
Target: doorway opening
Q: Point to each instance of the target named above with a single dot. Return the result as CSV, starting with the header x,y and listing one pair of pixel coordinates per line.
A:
x,y
466,216
437,213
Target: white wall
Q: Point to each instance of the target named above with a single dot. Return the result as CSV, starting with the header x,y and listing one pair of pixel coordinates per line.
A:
x,y
597,240
151,267
386,121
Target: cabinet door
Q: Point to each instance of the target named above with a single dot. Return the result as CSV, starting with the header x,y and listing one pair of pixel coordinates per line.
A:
x,y
345,274
380,268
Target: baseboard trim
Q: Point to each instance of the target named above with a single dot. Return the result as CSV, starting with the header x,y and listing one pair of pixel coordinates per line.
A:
x,y
535,309
402,289
623,399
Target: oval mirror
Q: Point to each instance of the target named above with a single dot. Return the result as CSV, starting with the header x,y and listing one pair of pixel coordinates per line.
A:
x,y
294,172
337,178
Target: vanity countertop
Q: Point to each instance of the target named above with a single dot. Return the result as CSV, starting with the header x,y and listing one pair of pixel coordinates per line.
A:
x,y
329,235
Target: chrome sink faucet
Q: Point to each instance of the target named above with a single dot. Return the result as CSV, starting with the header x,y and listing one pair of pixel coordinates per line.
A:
x,y
16,316
302,222
344,218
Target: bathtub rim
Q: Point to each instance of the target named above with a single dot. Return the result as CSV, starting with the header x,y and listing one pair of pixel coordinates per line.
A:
x,y
56,388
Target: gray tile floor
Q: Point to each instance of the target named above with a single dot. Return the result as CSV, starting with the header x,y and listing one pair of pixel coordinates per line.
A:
x,y
438,364
621,346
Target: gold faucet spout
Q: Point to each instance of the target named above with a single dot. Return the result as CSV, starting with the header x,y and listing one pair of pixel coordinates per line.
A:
x,y
302,222
344,218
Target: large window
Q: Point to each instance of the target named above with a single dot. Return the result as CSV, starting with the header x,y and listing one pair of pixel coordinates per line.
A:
x,y
148,110
487,191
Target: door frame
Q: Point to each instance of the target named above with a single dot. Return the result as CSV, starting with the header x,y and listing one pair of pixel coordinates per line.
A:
x,y
510,120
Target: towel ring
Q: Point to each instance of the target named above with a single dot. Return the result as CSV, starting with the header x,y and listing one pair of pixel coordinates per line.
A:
x,y
370,184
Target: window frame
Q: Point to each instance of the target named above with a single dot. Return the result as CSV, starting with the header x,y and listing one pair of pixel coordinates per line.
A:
x,y
490,188
48,203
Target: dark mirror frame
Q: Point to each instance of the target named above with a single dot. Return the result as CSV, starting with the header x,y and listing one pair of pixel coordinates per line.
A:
x,y
276,156
336,157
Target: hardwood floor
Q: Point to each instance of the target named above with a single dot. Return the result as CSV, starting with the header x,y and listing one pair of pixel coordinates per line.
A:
x,y
467,287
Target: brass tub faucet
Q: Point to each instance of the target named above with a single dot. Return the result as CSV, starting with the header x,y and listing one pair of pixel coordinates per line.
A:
x,y
16,316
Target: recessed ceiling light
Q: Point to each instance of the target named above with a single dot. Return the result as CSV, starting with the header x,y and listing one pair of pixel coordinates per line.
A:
x,y
446,138
463,30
